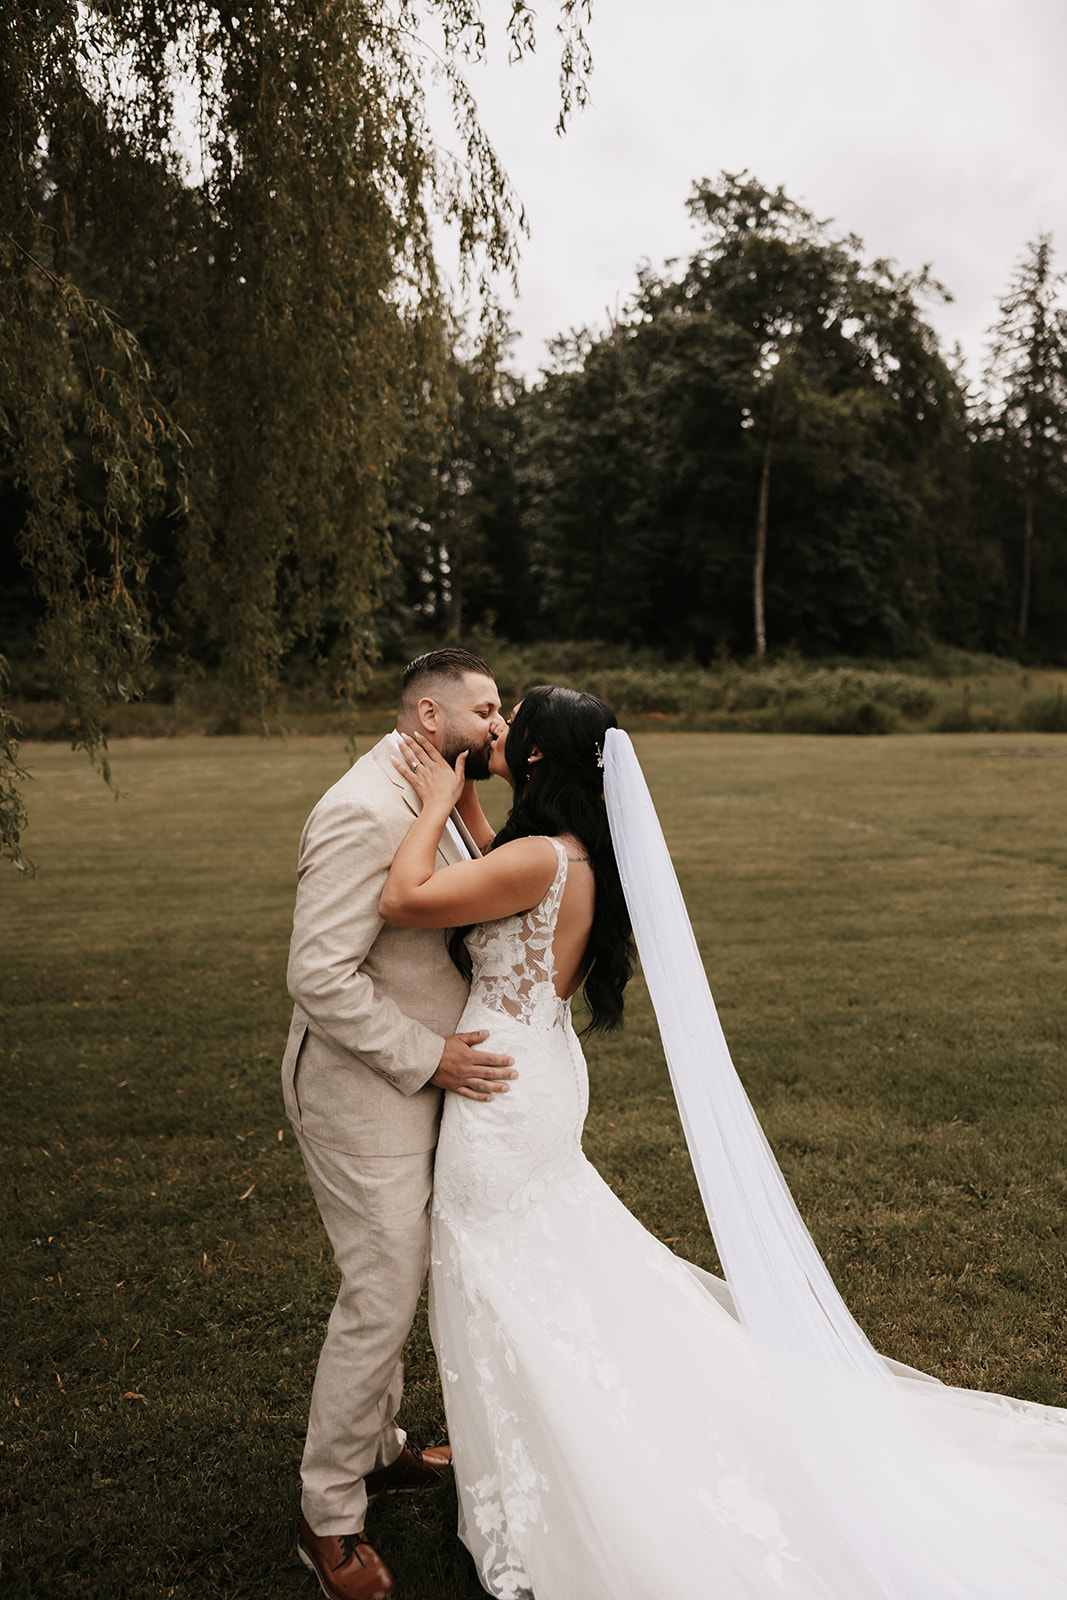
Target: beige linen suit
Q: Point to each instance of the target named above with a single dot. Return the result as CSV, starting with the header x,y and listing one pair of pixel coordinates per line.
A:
x,y
373,1005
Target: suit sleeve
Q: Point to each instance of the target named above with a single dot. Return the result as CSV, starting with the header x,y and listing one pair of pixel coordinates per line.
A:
x,y
345,856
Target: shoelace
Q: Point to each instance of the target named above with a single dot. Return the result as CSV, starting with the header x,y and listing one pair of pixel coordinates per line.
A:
x,y
349,1544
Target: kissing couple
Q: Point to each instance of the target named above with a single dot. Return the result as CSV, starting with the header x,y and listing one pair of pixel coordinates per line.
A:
x,y
623,1426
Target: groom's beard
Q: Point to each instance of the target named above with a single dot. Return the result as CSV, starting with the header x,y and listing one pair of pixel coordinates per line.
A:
x,y
477,758
477,765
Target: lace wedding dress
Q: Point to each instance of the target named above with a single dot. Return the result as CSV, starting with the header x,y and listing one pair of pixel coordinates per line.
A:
x,y
617,1434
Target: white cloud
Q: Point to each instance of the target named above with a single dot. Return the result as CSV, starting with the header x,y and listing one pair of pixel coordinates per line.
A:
x,y
934,129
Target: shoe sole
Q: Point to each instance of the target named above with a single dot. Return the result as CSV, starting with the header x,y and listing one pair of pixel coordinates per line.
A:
x,y
306,1559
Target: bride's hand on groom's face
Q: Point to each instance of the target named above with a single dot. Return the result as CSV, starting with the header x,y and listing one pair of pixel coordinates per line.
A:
x,y
429,774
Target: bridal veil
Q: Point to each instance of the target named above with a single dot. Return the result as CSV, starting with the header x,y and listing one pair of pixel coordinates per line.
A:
x,y
934,1506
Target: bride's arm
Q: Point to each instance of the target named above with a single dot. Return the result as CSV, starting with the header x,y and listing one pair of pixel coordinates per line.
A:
x,y
513,878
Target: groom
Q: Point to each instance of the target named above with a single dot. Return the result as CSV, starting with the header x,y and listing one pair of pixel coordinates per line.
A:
x,y
371,1050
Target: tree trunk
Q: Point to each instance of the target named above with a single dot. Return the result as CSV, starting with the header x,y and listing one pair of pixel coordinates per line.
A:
x,y
1028,560
761,527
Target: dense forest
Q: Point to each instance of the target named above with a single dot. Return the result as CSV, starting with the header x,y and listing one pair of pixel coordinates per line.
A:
x,y
768,449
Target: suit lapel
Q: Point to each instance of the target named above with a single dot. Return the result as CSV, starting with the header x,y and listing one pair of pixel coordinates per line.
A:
x,y
383,754
448,851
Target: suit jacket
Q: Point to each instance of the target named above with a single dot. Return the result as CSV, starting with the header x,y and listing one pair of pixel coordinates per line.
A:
x,y
373,1003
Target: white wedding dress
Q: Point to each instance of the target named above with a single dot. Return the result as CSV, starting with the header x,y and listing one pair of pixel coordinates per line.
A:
x,y
615,1427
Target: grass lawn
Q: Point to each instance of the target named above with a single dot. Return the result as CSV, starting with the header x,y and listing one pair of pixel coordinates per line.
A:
x,y
885,927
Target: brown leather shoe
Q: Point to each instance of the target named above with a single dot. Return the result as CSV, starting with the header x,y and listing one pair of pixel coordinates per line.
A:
x,y
412,1469
347,1567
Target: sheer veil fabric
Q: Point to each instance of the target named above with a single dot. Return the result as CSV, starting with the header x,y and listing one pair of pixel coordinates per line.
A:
x,y
942,1494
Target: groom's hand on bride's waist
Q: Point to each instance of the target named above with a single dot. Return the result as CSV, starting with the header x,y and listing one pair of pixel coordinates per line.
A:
x,y
476,1074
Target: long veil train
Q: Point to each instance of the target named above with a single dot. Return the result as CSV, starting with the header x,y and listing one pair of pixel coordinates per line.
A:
x,y
929,1518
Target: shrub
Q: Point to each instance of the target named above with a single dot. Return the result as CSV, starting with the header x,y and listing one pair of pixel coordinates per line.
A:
x,y
979,720
1043,714
843,716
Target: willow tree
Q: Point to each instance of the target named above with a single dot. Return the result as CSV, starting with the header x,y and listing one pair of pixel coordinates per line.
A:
x,y
220,310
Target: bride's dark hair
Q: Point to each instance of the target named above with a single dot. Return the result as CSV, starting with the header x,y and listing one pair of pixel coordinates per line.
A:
x,y
563,793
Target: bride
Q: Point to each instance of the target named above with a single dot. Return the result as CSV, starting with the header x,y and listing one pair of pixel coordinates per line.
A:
x,y
625,1426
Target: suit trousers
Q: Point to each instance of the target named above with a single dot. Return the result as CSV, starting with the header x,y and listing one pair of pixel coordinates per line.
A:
x,y
376,1211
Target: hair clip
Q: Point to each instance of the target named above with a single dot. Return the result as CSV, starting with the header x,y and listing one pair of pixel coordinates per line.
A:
x,y
599,757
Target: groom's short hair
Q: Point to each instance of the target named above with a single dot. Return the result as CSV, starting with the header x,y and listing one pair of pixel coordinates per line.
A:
x,y
438,667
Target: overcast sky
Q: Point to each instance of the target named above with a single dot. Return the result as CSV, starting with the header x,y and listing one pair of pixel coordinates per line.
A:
x,y
934,129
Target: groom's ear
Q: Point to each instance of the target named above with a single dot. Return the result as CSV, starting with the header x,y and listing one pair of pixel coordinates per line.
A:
x,y
428,714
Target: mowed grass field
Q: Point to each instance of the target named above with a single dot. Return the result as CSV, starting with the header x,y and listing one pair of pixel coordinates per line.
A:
x,y
884,924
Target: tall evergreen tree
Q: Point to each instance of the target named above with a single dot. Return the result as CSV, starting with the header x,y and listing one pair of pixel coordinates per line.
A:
x,y
1025,410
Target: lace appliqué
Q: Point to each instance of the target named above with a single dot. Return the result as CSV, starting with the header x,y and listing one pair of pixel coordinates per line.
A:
x,y
513,970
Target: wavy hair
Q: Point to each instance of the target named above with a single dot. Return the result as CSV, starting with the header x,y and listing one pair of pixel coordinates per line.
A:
x,y
563,793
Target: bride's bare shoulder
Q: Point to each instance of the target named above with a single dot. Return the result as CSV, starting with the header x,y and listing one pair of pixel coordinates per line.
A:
x,y
537,849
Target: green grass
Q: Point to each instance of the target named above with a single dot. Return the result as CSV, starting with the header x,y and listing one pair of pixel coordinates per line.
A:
x,y
883,922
